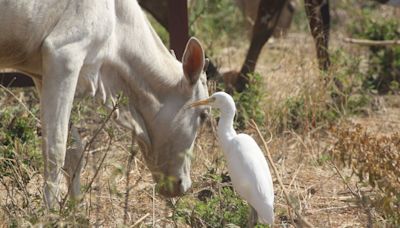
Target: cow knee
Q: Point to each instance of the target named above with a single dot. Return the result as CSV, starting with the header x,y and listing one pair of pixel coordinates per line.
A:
x,y
63,57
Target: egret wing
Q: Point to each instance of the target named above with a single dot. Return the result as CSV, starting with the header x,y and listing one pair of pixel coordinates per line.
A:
x,y
250,173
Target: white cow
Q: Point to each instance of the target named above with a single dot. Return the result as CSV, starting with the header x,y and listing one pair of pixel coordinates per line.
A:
x,y
105,47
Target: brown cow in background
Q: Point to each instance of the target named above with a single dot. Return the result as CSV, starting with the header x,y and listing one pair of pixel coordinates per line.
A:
x,y
268,19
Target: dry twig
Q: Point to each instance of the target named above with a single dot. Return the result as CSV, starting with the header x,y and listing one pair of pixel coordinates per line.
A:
x,y
19,101
132,156
365,42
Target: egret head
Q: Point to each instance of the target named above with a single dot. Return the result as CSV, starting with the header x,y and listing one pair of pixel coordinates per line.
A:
x,y
219,100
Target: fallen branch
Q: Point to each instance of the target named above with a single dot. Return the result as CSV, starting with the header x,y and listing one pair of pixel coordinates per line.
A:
x,y
278,177
365,42
138,222
326,209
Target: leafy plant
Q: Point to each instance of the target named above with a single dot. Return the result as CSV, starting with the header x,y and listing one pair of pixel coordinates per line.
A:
x,y
304,112
215,21
213,207
20,161
384,61
376,161
18,141
249,103
347,69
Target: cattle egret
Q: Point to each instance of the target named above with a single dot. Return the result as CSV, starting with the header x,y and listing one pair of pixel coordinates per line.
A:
x,y
247,166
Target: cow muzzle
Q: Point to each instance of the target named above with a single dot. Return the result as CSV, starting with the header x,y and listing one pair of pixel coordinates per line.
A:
x,y
173,186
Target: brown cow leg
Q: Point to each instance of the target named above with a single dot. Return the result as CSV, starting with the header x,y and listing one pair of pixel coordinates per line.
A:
x,y
178,26
319,19
266,21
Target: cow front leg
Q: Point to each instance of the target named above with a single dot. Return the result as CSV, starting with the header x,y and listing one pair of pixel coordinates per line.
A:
x,y
319,20
268,15
61,66
73,157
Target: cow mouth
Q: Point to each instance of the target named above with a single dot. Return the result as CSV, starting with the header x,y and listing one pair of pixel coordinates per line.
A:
x,y
170,192
169,188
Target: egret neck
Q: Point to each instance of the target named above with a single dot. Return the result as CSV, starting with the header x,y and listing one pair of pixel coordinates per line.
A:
x,y
225,124
246,163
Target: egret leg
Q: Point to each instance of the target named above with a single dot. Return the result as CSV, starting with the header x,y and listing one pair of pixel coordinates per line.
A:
x,y
253,218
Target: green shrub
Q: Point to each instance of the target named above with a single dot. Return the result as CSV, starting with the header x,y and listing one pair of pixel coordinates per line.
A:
x,y
304,113
384,61
213,207
20,161
18,141
249,103
215,22
347,69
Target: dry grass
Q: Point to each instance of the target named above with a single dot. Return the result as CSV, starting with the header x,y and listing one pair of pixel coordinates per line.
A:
x,y
122,192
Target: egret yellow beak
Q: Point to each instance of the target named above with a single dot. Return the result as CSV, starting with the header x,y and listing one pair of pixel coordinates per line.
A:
x,y
201,102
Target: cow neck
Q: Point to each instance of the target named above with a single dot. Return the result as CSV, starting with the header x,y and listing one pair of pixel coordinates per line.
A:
x,y
146,58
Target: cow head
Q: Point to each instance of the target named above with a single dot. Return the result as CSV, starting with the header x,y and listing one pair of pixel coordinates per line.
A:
x,y
172,129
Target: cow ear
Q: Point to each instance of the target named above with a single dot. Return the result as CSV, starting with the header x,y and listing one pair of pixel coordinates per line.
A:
x,y
193,60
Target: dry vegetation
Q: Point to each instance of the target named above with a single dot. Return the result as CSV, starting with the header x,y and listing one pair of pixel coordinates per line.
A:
x,y
308,131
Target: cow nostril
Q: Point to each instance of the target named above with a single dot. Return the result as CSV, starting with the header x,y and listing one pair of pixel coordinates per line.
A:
x,y
180,181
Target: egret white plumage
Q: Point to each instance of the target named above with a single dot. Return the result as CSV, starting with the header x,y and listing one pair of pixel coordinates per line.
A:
x,y
246,163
